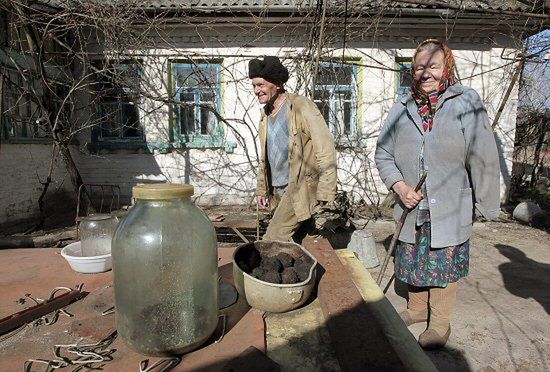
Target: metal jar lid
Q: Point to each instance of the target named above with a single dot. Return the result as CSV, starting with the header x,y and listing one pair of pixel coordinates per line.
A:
x,y
162,191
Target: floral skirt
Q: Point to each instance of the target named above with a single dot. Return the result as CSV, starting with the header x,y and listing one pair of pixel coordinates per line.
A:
x,y
421,265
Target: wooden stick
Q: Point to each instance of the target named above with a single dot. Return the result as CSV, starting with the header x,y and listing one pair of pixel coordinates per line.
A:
x,y
243,238
397,232
257,220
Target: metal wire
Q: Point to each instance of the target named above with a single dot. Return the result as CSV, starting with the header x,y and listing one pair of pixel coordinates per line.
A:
x,y
50,364
110,310
86,355
224,324
55,316
164,364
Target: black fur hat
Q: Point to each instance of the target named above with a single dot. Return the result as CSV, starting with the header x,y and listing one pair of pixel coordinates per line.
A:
x,y
270,69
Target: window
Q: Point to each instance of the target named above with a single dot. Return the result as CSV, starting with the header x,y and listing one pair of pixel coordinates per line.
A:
x,y
197,91
403,76
118,97
21,116
336,97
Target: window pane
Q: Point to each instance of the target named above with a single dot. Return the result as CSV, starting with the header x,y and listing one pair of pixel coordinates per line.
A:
x,y
208,118
202,79
323,103
187,113
404,77
335,92
21,112
109,120
118,87
196,76
130,116
348,125
128,79
186,77
342,114
208,121
335,75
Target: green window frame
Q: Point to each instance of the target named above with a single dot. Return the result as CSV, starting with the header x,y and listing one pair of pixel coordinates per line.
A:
x,y
403,75
337,97
117,104
197,93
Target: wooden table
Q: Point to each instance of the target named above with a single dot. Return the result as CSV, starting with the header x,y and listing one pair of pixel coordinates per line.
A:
x,y
36,271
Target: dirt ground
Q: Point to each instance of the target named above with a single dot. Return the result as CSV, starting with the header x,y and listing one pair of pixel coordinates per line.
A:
x,y
501,320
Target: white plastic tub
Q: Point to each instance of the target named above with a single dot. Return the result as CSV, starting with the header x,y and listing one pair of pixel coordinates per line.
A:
x,y
86,265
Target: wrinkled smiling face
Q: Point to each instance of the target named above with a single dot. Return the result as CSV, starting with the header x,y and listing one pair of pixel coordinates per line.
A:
x,y
428,69
265,90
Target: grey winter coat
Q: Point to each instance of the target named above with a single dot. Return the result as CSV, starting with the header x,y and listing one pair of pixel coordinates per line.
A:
x,y
461,159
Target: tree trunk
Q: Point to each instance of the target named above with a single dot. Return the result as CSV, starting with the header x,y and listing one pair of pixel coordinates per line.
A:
x,y
538,147
76,179
47,104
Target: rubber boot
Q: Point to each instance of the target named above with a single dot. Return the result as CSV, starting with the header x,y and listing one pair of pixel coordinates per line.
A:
x,y
417,307
441,301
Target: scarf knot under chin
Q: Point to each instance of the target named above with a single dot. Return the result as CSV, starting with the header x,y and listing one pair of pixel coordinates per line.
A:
x,y
428,105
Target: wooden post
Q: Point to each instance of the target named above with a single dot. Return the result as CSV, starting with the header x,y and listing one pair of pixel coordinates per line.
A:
x,y
319,49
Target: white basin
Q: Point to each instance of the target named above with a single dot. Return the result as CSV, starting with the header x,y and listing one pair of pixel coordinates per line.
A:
x,y
87,265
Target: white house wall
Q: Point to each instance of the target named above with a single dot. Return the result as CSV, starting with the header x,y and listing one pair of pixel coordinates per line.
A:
x,y
23,169
229,178
222,178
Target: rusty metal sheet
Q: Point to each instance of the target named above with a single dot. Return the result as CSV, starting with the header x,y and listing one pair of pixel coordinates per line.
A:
x,y
30,314
36,271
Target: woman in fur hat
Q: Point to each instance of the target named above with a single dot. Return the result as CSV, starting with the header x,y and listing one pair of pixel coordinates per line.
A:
x,y
297,166
442,128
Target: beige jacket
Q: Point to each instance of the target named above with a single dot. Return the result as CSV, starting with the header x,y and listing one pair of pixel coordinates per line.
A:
x,y
311,157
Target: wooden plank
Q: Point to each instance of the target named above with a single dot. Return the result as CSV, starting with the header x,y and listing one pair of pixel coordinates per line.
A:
x,y
244,239
357,337
399,336
239,224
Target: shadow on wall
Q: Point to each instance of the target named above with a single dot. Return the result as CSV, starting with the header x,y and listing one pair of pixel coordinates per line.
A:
x,y
122,168
59,211
524,277
60,207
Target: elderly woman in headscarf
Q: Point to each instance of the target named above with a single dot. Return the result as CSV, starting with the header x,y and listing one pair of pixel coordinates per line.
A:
x,y
442,128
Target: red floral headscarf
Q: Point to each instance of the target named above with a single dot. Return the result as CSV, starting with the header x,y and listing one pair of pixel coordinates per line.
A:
x,y
449,76
429,103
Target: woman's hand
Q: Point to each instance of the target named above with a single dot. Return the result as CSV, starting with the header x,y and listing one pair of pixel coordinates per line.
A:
x,y
263,201
408,196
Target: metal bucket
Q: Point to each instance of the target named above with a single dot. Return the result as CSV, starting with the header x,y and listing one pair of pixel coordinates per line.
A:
x,y
276,298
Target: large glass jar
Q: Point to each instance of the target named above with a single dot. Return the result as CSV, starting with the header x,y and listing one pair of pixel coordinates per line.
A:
x,y
96,233
165,265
